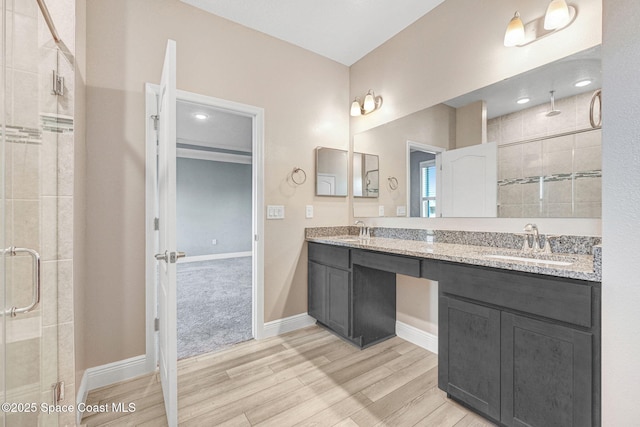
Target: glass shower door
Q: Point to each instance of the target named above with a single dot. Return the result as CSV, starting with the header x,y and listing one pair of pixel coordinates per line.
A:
x,y
28,236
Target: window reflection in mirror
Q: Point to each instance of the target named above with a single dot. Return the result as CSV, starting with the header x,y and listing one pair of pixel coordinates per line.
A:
x,y
366,175
331,172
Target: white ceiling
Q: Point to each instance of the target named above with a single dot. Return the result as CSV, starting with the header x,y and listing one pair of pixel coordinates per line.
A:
x,y
342,30
221,130
559,76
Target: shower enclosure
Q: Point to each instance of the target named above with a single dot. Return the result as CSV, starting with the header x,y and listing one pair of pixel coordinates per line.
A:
x,y
36,135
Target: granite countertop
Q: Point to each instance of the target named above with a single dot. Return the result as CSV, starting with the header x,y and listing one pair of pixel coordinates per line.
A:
x,y
582,267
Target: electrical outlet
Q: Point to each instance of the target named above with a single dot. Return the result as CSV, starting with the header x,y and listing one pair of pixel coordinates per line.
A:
x,y
214,241
309,211
401,211
381,210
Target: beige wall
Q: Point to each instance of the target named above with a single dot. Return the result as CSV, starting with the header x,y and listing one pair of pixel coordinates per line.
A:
x,y
306,101
471,124
434,126
445,54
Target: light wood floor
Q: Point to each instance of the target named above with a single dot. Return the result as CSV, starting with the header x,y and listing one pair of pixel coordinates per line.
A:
x,y
308,377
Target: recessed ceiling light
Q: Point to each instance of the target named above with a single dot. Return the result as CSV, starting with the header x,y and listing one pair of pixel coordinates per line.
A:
x,y
201,116
583,83
523,100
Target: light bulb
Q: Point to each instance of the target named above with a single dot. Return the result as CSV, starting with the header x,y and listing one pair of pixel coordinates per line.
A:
x,y
355,108
515,32
369,103
557,15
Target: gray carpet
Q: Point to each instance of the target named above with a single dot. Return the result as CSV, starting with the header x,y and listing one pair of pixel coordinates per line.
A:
x,y
214,305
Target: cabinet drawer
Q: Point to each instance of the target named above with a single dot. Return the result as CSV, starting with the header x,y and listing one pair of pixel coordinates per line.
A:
x,y
334,256
391,263
563,300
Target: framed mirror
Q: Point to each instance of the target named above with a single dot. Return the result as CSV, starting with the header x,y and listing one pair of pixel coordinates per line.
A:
x,y
547,154
331,172
366,175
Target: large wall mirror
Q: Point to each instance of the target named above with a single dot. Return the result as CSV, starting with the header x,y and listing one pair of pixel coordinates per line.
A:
x,y
331,172
523,147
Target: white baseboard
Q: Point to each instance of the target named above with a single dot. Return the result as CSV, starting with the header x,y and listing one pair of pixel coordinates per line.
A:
x,y
214,256
111,373
417,336
288,324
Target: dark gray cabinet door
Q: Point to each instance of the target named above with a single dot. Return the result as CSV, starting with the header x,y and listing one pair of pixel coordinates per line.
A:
x,y
546,374
337,310
469,362
317,288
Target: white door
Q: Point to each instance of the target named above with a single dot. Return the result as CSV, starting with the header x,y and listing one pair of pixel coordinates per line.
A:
x,y
167,305
470,181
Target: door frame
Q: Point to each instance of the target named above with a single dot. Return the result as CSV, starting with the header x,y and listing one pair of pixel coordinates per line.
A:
x,y
257,168
427,149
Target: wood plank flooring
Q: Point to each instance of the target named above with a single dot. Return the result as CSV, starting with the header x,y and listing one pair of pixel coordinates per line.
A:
x,y
308,377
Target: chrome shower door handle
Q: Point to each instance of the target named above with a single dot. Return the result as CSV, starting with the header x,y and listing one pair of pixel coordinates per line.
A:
x,y
35,280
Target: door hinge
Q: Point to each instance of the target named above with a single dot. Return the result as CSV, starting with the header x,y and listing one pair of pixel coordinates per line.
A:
x,y
57,84
155,119
156,224
57,392
156,324
255,237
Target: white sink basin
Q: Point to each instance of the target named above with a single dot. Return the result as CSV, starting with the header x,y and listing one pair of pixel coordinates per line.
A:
x,y
540,259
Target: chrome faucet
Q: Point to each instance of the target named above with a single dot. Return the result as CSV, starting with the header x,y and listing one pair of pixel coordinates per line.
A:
x,y
531,230
364,230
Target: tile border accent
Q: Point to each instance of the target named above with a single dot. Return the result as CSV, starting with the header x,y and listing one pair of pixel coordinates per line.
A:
x,y
23,135
56,123
551,178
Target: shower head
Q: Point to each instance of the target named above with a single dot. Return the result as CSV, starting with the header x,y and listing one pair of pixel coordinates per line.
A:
x,y
553,111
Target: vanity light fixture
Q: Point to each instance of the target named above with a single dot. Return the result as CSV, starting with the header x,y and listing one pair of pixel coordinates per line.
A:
x,y
370,104
523,100
558,16
515,31
582,83
201,116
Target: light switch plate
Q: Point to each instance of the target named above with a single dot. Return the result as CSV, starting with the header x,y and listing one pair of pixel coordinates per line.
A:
x,y
309,211
275,212
401,211
381,210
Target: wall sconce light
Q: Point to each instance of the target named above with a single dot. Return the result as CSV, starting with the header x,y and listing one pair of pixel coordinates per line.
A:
x,y
558,16
370,104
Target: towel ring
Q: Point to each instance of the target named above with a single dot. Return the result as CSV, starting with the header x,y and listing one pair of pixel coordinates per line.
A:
x,y
597,95
298,176
393,182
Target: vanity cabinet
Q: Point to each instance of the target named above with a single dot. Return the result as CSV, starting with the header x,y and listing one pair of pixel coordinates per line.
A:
x,y
522,349
348,295
329,287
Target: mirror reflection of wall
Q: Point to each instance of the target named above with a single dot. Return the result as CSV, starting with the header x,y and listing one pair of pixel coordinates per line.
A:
x,y
331,172
548,162
366,175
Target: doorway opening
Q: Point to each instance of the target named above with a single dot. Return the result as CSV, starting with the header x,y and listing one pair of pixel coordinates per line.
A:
x,y
213,227
219,200
424,178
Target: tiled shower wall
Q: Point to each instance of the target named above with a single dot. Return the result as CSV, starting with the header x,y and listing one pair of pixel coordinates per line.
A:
x,y
39,191
553,177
